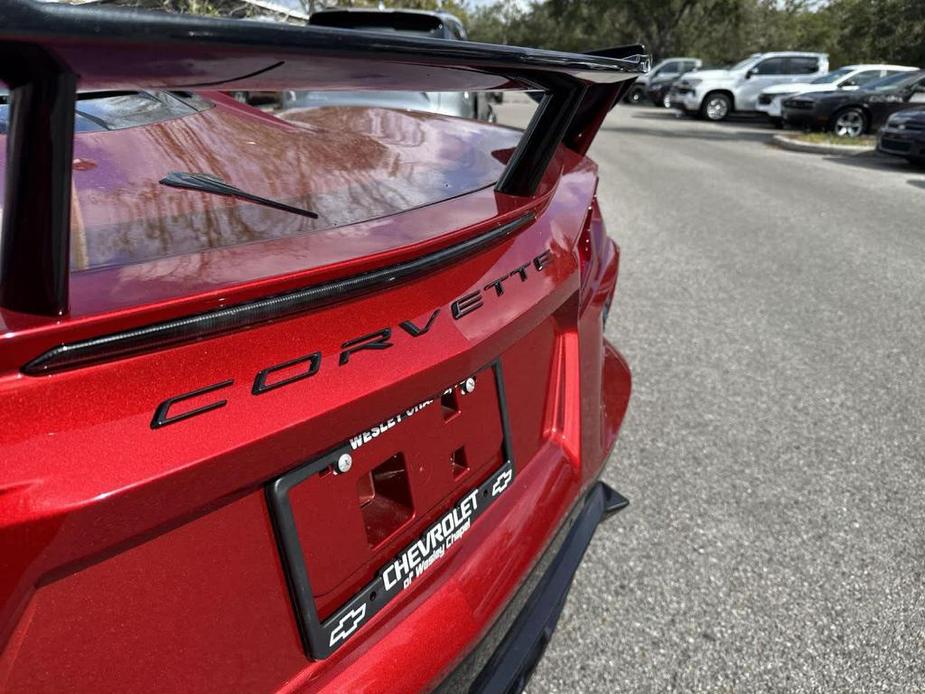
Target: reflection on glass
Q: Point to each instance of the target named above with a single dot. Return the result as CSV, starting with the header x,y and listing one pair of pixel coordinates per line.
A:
x,y
346,164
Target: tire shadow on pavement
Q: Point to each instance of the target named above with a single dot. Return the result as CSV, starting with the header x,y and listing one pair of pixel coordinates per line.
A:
x,y
669,114
875,162
719,135
662,114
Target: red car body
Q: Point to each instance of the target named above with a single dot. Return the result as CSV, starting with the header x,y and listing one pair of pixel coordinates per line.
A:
x,y
154,502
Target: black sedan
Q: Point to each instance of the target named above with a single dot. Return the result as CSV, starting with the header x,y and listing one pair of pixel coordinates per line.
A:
x,y
903,135
854,113
657,90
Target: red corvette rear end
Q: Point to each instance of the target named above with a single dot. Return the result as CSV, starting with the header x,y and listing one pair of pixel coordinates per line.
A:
x,y
304,404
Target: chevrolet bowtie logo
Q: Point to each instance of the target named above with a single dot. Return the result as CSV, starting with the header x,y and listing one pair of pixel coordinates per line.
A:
x,y
504,479
348,624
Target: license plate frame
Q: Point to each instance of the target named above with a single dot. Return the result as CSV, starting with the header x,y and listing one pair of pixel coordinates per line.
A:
x,y
321,638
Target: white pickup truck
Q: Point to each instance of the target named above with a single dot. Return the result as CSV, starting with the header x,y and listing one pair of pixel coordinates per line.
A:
x,y
714,94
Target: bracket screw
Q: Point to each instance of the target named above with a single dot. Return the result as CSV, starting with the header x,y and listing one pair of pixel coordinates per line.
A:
x,y
344,463
468,385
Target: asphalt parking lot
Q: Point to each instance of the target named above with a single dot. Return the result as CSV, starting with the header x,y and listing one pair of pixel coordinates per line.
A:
x,y
771,306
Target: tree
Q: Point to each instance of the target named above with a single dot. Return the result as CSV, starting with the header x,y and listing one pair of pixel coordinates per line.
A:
x,y
882,31
458,8
659,24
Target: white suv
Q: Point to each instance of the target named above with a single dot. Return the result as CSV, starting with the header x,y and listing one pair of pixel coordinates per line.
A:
x,y
848,77
714,94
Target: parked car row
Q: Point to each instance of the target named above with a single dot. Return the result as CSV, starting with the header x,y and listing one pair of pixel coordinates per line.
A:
x,y
796,89
714,94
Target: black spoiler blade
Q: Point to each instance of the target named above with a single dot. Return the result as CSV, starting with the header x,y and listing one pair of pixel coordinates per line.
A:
x,y
113,48
48,51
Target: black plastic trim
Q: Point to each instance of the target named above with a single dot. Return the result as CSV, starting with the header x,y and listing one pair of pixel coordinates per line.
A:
x,y
510,667
209,183
541,138
168,333
36,241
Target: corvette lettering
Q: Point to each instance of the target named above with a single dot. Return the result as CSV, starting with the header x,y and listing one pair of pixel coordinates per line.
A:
x,y
303,367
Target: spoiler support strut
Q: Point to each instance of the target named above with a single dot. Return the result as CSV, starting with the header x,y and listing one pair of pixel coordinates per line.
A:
x,y
541,138
35,233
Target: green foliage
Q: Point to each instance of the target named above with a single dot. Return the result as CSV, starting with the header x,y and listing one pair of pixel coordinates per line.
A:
x,y
211,8
510,22
718,31
458,8
879,30
659,24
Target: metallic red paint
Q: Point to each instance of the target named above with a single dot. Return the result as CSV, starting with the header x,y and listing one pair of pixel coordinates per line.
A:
x,y
139,559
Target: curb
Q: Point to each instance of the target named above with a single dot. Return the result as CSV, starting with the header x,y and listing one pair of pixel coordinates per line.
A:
x,y
787,142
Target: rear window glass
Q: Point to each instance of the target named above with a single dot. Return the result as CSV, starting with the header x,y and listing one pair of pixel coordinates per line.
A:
x,y
151,215
345,165
103,111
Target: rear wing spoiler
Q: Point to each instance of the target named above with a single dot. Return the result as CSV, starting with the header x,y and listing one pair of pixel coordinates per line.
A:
x,y
48,51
